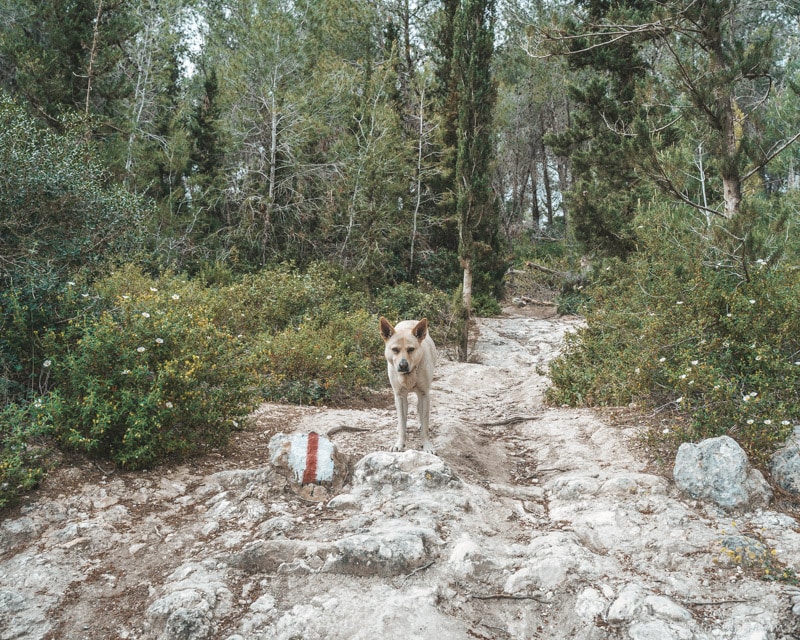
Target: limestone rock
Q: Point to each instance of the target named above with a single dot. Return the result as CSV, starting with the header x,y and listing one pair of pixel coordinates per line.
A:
x,y
384,553
784,465
195,597
313,466
717,470
391,472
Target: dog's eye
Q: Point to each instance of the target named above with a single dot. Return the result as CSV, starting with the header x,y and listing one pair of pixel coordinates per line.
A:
x,y
410,349
396,349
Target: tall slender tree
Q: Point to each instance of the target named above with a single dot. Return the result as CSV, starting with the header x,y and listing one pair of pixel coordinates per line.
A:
x,y
473,46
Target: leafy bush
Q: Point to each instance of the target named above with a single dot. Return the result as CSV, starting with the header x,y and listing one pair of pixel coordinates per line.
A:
x,y
142,372
674,328
280,296
323,361
413,302
58,216
21,464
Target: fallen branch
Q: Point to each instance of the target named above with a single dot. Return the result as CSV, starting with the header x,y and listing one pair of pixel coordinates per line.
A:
x,y
415,571
343,427
538,596
714,603
507,421
541,303
108,473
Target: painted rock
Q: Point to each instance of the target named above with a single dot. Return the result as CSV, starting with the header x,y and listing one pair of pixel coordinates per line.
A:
x,y
313,466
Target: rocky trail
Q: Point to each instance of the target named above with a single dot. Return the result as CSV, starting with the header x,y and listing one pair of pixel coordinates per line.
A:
x,y
531,522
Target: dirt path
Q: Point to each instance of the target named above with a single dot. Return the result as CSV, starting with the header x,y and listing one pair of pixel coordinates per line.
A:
x,y
532,522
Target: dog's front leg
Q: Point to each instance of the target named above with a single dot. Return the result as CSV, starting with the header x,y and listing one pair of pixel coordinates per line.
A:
x,y
424,410
401,403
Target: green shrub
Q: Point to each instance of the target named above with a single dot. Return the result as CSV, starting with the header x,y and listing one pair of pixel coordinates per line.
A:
x,y
672,328
22,465
413,302
326,361
59,215
143,372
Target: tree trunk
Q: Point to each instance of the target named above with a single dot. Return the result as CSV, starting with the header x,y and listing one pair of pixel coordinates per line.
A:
x,y
548,191
466,311
535,213
93,56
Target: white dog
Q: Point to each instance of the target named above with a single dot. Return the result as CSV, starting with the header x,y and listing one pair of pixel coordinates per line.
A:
x,y
411,356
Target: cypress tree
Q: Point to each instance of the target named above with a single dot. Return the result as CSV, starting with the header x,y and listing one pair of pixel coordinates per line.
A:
x,y
473,46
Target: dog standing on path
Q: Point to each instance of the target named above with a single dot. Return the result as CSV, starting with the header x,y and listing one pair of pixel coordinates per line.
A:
x,y
411,356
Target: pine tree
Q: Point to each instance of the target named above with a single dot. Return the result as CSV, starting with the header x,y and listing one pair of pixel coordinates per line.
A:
x,y
606,185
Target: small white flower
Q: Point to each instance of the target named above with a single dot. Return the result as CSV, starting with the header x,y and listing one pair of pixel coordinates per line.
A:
x,y
47,363
730,315
745,398
168,405
679,399
126,372
662,359
126,297
71,284
679,302
694,363
758,357
750,421
665,431
716,387
159,340
683,376
767,421
637,370
753,394
328,357
141,349
84,295
785,422
145,314
752,301
153,289
175,296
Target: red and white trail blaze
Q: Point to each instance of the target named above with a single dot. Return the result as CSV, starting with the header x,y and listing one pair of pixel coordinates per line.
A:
x,y
311,458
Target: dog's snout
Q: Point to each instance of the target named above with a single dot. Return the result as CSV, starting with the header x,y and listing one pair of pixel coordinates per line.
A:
x,y
402,366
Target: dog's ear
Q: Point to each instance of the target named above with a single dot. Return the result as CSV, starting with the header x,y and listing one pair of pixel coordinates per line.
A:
x,y
387,330
421,330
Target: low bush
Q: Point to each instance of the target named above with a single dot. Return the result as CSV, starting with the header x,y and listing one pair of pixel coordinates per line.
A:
x,y
414,302
322,360
22,464
142,372
674,328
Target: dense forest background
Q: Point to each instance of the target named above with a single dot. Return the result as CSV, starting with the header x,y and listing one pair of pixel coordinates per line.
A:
x,y
200,198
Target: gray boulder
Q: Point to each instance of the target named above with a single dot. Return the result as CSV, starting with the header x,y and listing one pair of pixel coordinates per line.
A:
x,y
784,465
717,470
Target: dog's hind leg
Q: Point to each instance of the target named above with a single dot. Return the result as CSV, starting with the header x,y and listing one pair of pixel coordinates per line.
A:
x,y
401,403
424,410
